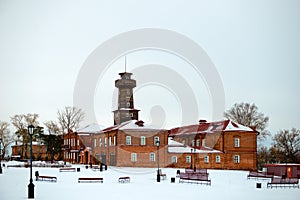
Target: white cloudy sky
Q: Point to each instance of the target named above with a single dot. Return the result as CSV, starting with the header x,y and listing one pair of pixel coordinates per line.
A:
x,y
254,46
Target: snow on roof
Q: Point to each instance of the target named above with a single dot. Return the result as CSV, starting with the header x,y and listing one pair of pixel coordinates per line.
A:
x,y
132,125
210,127
91,128
177,147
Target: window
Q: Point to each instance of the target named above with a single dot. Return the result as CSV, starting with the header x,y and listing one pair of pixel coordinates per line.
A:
x,y
127,114
100,142
206,159
109,141
128,140
174,159
105,141
156,138
115,142
95,142
193,143
203,143
128,91
218,159
127,104
152,157
188,159
198,143
143,140
236,142
183,142
236,159
131,114
133,157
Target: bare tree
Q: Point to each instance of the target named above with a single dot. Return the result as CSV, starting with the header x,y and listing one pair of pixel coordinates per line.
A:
x,y
69,118
288,142
21,122
6,137
248,115
52,127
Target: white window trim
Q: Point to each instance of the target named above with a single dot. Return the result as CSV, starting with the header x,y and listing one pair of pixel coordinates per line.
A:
x,y
236,142
143,140
236,159
128,140
133,157
218,159
206,159
188,159
174,159
152,157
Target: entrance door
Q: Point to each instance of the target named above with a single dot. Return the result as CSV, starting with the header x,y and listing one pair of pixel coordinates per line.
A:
x,y
289,172
112,160
103,159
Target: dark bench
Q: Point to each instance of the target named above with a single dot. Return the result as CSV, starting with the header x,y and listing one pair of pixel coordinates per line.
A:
x,y
197,171
195,178
67,169
259,175
90,180
46,178
163,176
283,182
124,179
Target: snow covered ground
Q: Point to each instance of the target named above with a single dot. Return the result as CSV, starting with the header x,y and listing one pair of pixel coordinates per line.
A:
x,y
143,185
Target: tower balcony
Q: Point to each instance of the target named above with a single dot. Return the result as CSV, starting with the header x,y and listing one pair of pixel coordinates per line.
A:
x,y
127,83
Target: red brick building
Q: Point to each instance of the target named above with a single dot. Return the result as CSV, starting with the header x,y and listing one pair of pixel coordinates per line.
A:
x,y
215,145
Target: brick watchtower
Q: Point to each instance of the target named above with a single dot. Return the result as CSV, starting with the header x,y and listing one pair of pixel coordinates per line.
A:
x,y
125,111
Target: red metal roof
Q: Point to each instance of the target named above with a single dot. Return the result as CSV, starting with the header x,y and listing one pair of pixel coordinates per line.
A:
x,y
209,127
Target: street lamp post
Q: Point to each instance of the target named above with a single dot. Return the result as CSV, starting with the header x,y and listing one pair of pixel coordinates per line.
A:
x,y
31,185
0,156
158,175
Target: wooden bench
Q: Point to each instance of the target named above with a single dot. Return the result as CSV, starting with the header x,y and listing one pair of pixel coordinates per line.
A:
x,y
67,169
283,182
46,178
194,178
163,176
259,175
90,180
197,171
124,179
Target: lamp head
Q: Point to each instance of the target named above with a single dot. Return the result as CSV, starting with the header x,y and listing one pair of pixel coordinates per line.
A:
x,y
157,143
30,129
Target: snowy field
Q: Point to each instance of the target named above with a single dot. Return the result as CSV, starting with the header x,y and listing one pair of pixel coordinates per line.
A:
x,y
143,185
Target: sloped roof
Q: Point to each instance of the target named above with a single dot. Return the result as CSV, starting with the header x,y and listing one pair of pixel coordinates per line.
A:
x,y
91,128
131,125
177,147
210,127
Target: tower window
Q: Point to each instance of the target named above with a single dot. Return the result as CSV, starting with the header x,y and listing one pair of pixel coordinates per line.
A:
x,y
128,104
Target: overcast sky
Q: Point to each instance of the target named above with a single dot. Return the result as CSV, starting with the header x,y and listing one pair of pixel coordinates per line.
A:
x,y
253,44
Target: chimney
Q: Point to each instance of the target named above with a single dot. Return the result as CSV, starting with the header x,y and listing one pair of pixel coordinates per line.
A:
x,y
202,121
140,123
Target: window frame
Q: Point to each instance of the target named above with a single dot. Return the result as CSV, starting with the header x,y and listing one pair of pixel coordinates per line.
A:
x,y
206,159
218,159
236,159
142,140
128,140
156,138
237,142
174,159
152,157
188,159
133,157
